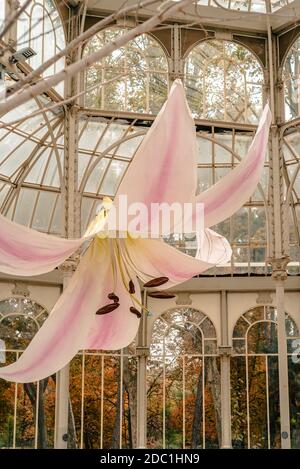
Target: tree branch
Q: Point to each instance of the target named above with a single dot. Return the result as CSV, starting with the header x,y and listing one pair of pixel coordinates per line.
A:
x,y
37,73
87,61
13,18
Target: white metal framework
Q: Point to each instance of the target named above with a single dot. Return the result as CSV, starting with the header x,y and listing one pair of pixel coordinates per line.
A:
x,y
213,367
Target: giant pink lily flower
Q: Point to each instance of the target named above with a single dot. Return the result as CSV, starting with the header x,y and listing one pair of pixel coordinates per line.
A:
x,y
163,170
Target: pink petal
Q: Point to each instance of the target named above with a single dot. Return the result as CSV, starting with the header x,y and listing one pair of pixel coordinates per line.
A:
x,y
214,248
229,194
164,166
66,330
155,258
27,252
117,329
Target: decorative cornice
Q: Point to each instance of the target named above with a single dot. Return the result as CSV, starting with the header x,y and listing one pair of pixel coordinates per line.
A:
x,y
68,266
225,350
264,298
279,266
20,289
183,299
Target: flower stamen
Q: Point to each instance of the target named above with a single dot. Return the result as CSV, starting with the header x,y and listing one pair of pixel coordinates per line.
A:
x,y
161,294
107,308
135,311
156,282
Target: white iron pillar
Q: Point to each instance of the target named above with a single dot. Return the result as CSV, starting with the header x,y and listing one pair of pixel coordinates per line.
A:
x,y
278,245
71,226
225,353
142,352
279,276
175,62
62,381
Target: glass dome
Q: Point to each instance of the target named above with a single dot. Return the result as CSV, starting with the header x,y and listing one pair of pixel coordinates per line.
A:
x,y
206,368
31,167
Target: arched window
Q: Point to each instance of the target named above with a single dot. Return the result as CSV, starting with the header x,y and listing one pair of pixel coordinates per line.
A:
x,y
219,153
103,395
291,76
224,81
142,60
183,382
40,27
32,153
291,153
106,147
255,382
103,390
27,411
20,319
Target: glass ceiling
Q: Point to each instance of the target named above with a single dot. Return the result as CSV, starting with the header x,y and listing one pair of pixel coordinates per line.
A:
x,y
31,176
259,6
31,160
31,168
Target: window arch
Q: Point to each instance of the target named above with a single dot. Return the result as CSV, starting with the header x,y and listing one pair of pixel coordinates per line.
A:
x,y
32,152
291,153
40,27
183,382
28,410
142,59
291,76
20,319
224,81
255,381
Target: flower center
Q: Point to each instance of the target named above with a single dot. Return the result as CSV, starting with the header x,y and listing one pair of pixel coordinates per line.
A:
x,y
124,268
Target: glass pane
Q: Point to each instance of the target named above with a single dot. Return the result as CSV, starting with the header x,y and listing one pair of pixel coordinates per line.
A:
x,y
43,211
212,403
274,407
113,177
291,81
294,391
40,27
262,338
155,403
238,402
183,339
291,328
194,402
241,327
223,81
240,226
239,346
255,314
208,329
173,405
145,90
258,403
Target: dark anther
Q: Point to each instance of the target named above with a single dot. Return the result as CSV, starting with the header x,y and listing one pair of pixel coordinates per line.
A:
x,y
131,287
156,282
114,297
161,294
108,308
136,312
